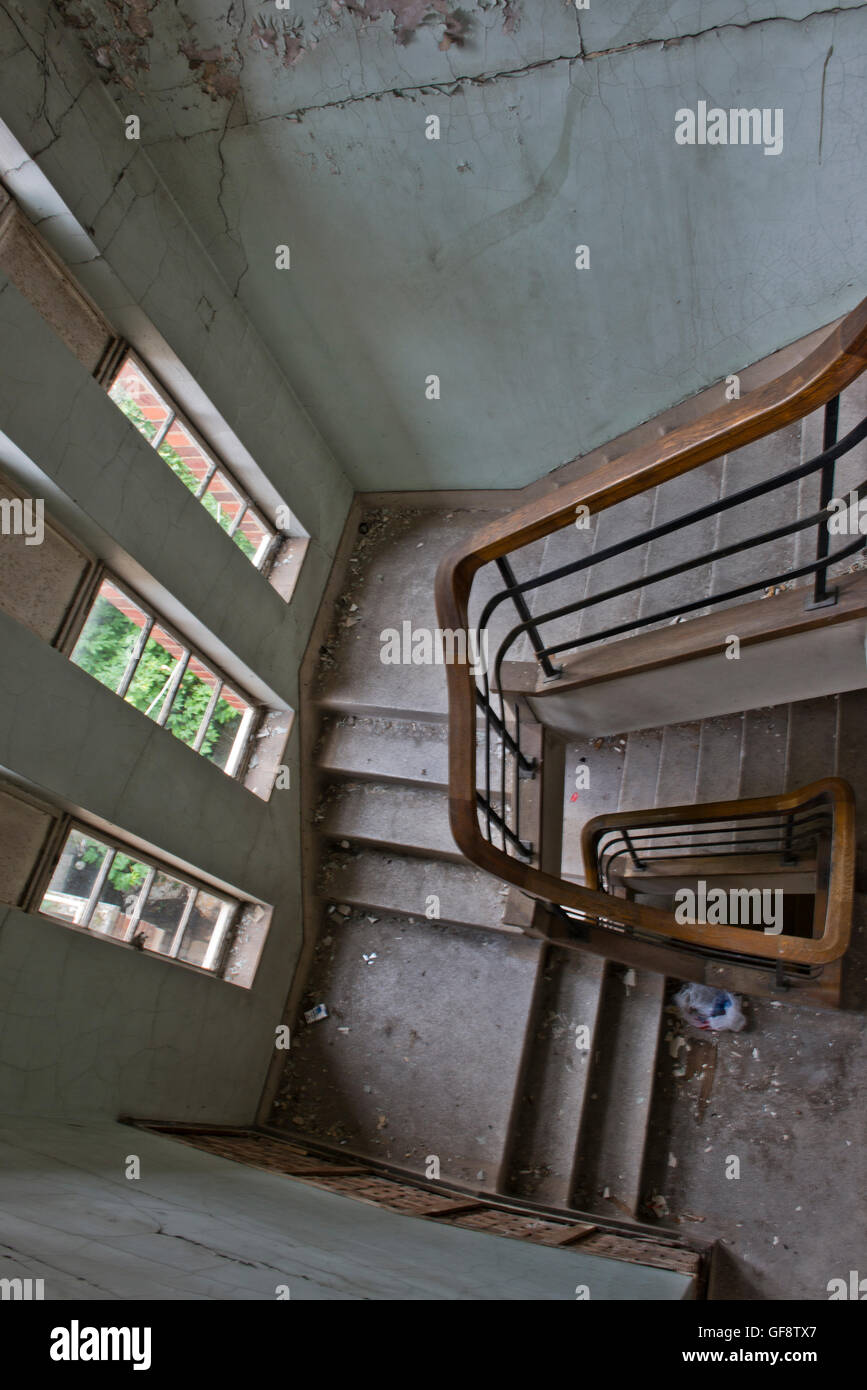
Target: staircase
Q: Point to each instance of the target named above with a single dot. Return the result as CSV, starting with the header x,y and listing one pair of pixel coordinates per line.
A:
x,y
527,1069
384,824
496,1013
582,1115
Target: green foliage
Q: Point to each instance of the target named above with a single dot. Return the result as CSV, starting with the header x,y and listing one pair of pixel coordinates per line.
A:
x,y
133,413
103,650
125,875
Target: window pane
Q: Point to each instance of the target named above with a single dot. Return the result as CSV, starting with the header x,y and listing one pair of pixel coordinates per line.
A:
x,y
223,727
205,930
109,636
222,500
184,457
118,896
192,700
138,400
251,534
153,674
162,912
73,880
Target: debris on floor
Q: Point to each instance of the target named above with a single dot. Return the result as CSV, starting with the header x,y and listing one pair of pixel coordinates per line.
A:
x,y
316,1013
705,1007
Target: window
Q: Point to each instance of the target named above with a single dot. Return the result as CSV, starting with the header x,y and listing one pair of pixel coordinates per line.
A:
x,y
127,648
156,417
56,866
107,888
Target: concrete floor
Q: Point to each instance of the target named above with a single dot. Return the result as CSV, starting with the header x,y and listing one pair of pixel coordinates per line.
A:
x,y
420,1052
196,1227
433,1030
787,1098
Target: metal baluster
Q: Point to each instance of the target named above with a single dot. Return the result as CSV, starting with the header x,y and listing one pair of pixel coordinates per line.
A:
x,y
822,596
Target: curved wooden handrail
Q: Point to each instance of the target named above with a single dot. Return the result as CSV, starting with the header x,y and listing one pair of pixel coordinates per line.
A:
x,y
838,361
832,791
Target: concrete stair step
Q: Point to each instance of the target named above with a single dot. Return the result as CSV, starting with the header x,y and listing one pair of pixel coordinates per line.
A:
x,y
405,885
552,1087
763,751
434,1027
605,765
812,741
414,820
414,752
640,770
415,707
719,758
610,1151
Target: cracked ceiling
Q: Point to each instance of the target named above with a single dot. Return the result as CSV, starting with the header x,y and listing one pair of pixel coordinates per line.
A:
x,y
411,256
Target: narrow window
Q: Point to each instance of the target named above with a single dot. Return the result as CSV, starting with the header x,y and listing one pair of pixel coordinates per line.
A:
x,y
123,645
100,885
156,417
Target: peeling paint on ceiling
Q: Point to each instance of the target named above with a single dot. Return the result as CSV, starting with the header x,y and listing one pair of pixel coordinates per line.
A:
x,y
118,42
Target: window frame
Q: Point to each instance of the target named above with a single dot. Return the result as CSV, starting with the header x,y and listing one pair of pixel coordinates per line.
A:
x,y
250,720
67,825
274,537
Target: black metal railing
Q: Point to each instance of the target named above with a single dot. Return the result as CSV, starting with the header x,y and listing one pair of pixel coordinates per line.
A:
x,y
787,838
499,800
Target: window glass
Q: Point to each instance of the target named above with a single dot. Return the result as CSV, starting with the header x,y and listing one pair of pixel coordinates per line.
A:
x,y
109,636
137,902
205,930
151,685
223,500
139,401
185,457
154,417
118,896
193,703
192,700
251,535
223,727
163,912
74,877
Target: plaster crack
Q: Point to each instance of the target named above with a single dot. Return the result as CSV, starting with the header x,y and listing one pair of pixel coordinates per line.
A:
x,y
822,99
583,55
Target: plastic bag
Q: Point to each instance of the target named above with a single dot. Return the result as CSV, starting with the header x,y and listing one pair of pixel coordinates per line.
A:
x,y
709,1008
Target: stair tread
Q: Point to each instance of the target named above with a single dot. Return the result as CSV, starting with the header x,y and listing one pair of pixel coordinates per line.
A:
x,y
812,736
610,1153
553,1085
383,749
391,814
605,765
403,884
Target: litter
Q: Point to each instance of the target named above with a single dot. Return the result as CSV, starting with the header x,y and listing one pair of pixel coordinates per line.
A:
x,y
313,1015
708,1008
368,960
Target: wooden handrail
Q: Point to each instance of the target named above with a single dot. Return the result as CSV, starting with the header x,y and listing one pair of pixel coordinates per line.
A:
x,y
833,365
829,791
